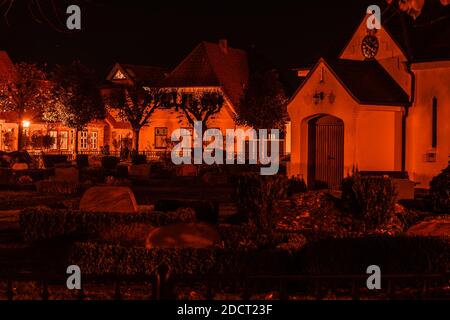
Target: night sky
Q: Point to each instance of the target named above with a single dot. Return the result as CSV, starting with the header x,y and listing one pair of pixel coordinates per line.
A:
x,y
289,33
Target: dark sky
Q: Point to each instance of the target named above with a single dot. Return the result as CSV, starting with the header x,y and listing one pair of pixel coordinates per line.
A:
x,y
290,33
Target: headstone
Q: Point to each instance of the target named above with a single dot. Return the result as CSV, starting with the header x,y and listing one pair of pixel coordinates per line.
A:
x,y
432,228
141,171
183,235
404,189
20,166
69,174
109,199
186,170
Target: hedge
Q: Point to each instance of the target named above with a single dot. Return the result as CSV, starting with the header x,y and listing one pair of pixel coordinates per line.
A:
x,y
103,259
395,255
42,223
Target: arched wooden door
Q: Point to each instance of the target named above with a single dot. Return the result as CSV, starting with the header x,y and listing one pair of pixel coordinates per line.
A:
x,y
325,151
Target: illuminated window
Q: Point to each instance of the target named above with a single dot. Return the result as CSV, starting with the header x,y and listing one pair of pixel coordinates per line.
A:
x,y
64,140
94,140
119,75
161,138
54,135
83,139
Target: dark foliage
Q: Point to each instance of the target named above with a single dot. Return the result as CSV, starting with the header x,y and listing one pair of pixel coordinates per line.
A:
x,y
110,162
440,191
256,196
41,223
369,200
395,255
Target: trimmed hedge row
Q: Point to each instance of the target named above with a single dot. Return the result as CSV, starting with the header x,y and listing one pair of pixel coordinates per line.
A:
x,y
42,223
102,259
394,255
402,254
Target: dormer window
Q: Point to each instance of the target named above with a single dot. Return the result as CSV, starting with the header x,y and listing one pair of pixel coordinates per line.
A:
x,y
119,76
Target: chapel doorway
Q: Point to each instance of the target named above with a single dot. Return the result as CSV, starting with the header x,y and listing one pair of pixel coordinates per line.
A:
x,y
325,152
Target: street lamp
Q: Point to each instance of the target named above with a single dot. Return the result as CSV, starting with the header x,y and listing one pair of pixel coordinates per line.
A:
x,y
26,123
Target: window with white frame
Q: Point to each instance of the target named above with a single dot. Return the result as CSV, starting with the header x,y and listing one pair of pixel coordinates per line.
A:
x,y
64,140
54,135
94,140
84,140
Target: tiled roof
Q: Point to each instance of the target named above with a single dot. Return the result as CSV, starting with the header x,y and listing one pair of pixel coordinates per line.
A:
x,y
7,69
148,75
211,64
368,82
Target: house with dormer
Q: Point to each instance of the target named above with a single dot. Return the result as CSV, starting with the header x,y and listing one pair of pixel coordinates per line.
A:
x,y
379,106
209,66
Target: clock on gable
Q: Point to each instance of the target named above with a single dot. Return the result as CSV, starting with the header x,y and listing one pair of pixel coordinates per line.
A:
x,y
369,46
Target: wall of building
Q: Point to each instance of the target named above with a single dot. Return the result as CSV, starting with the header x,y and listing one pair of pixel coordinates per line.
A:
x,y
389,55
372,134
432,80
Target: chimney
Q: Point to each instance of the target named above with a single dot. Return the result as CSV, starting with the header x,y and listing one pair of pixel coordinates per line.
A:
x,y
223,44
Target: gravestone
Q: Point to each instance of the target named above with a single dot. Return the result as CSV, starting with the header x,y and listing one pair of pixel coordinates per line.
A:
x,y
109,199
183,235
432,228
69,174
19,166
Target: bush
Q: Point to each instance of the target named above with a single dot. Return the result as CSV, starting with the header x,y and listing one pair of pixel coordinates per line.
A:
x,y
395,255
369,200
256,196
110,162
440,191
41,223
296,185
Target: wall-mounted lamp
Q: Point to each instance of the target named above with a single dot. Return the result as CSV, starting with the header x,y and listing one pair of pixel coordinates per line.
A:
x,y
318,97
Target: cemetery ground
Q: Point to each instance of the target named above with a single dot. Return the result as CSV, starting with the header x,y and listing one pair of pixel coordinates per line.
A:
x,y
216,234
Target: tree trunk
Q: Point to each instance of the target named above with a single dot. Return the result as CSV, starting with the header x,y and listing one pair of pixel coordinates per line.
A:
x,y
20,137
136,141
75,140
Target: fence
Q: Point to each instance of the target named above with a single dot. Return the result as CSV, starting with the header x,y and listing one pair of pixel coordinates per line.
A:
x,y
247,286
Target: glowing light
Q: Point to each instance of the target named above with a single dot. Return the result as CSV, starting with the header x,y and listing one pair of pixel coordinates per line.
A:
x,y
26,123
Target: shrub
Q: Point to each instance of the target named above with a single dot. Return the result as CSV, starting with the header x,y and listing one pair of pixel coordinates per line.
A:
x,y
395,255
369,200
296,185
440,191
41,223
110,162
256,196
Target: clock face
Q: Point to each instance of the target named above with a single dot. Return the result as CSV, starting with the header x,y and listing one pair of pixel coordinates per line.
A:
x,y
370,46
